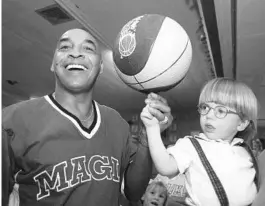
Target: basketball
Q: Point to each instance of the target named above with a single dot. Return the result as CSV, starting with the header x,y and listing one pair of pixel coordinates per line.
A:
x,y
152,53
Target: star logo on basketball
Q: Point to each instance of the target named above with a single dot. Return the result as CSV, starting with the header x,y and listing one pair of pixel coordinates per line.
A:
x,y
127,41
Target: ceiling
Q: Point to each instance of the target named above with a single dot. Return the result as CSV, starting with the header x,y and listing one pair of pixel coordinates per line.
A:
x,y
28,43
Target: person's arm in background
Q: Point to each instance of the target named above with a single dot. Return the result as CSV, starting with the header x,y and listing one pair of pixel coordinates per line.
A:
x,y
7,166
139,171
260,198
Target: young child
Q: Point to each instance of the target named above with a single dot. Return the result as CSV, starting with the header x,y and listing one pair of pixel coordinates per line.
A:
x,y
156,194
228,117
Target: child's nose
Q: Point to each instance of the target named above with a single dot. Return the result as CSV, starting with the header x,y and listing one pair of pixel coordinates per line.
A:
x,y
156,197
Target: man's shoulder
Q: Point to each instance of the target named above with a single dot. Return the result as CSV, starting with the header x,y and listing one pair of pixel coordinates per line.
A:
x,y
110,113
107,109
22,107
113,119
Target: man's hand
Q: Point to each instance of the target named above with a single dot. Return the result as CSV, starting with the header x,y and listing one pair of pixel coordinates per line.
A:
x,y
158,107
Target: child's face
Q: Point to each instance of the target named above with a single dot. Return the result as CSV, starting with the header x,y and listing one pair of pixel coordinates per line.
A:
x,y
216,128
156,196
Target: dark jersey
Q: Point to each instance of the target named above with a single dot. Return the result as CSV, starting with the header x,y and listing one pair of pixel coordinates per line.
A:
x,y
57,161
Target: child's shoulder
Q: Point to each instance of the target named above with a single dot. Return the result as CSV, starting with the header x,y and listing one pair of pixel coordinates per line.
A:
x,y
242,152
181,143
184,140
187,139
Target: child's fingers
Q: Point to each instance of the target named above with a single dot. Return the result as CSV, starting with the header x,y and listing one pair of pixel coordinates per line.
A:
x,y
154,96
164,108
145,113
158,103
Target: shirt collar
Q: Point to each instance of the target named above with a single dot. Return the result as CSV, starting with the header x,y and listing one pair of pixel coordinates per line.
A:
x,y
234,141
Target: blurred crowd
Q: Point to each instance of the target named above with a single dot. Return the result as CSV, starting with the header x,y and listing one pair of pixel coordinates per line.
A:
x,y
257,146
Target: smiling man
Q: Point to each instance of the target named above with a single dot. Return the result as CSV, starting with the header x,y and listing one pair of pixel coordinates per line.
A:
x,y
67,149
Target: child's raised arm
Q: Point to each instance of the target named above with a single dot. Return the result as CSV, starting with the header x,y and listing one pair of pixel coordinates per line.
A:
x,y
164,162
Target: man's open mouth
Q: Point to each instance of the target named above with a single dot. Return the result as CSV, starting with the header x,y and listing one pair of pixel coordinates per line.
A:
x,y
76,67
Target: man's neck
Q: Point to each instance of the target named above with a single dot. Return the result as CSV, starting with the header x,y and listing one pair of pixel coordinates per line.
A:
x,y
78,104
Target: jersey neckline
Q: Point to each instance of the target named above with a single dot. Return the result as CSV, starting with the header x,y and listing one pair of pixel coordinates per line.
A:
x,y
87,132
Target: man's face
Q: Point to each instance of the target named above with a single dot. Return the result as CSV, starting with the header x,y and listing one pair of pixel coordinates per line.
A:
x,y
77,61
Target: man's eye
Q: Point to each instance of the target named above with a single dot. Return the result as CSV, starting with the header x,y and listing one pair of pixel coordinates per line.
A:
x,y
87,48
64,47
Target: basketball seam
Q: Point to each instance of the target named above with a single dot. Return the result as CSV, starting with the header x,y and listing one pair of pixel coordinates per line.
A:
x,y
164,70
138,82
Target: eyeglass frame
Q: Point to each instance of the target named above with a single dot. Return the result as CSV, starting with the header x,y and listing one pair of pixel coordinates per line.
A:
x,y
228,111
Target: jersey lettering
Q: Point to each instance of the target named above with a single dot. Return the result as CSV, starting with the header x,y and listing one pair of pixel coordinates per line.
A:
x,y
101,168
47,182
80,169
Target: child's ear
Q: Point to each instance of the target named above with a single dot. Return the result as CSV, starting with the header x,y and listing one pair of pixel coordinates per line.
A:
x,y
143,197
242,126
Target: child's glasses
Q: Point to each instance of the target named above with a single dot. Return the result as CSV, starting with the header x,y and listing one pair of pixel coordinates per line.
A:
x,y
219,111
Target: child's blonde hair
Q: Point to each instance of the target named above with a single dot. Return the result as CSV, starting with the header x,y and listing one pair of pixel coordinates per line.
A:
x,y
160,184
235,95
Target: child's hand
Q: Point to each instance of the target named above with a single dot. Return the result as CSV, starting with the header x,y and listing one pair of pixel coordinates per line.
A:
x,y
147,118
159,108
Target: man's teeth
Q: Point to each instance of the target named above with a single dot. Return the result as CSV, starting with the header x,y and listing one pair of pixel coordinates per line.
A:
x,y
75,67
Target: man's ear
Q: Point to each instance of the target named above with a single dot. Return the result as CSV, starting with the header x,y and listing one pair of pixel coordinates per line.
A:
x,y
143,197
242,126
101,67
52,68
